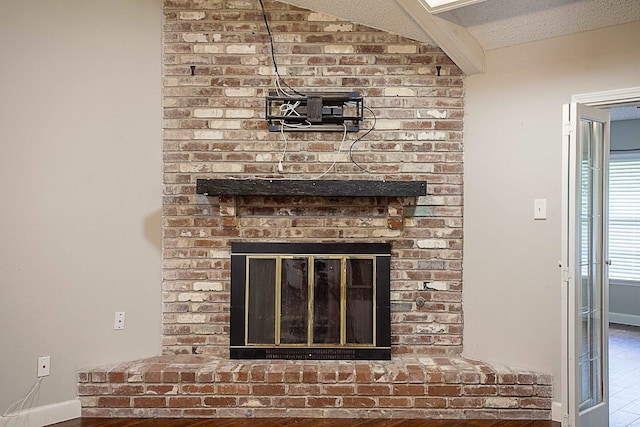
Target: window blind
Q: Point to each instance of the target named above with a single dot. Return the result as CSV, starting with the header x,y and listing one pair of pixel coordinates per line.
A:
x,y
624,216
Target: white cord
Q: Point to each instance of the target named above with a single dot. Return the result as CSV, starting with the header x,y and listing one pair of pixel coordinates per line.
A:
x,y
279,88
288,109
305,125
344,137
35,388
284,151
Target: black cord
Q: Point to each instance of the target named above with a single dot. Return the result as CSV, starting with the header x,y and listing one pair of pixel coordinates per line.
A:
x,y
273,55
360,138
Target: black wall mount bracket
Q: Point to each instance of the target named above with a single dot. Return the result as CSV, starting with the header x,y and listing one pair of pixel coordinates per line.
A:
x,y
315,112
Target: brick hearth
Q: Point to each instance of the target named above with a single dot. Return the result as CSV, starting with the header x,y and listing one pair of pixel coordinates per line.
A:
x,y
203,386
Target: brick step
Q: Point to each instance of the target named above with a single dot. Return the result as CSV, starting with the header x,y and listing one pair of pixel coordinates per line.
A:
x,y
405,387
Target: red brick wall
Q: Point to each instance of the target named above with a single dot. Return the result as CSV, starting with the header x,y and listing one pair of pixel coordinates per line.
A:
x,y
214,127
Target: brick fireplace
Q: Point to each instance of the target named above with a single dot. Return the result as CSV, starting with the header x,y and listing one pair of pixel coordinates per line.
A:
x,y
215,129
217,71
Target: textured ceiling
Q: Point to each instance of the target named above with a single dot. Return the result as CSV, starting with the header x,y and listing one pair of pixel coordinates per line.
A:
x,y
501,23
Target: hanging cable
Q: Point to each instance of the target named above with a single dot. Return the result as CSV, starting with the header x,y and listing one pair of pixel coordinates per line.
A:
x,y
22,402
273,55
289,109
344,137
360,138
284,151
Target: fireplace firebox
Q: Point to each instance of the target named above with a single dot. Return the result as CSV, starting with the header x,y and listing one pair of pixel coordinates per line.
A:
x,y
310,301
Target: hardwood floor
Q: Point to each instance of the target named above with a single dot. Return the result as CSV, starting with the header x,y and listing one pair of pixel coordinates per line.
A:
x,y
296,422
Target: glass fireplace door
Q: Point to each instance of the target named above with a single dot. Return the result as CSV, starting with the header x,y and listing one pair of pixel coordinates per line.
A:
x,y
311,305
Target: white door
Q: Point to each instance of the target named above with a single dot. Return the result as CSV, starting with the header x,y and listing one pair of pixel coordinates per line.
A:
x,y
584,266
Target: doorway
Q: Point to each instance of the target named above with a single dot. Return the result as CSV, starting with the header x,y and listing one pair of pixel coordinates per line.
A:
x,y
624,280
579,375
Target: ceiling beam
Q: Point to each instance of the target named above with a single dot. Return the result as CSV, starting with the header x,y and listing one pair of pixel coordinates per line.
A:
x,y
453,39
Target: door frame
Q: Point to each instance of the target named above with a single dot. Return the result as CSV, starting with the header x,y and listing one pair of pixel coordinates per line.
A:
x,y
609,98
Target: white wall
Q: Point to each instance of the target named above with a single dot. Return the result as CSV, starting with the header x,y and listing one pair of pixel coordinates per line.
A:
x,y
80,188
512,134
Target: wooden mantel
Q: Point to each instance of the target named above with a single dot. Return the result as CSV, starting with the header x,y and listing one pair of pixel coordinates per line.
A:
x,y
318,188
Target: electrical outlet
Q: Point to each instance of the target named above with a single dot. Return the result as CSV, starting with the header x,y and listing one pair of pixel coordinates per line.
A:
x,y
44,366
118,322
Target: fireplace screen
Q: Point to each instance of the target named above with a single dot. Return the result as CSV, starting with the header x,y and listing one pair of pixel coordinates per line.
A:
x,y
310,301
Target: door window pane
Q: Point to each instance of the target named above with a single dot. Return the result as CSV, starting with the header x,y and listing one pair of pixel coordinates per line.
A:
x,y
590,289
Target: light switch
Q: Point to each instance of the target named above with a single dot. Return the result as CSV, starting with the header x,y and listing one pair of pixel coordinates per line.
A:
x,y
540,209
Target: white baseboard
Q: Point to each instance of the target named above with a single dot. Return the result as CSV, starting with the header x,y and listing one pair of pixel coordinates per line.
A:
x,y
624,319
556,412
44,415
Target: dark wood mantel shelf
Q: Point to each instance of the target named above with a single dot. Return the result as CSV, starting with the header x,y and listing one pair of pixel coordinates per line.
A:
x,y
319,188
